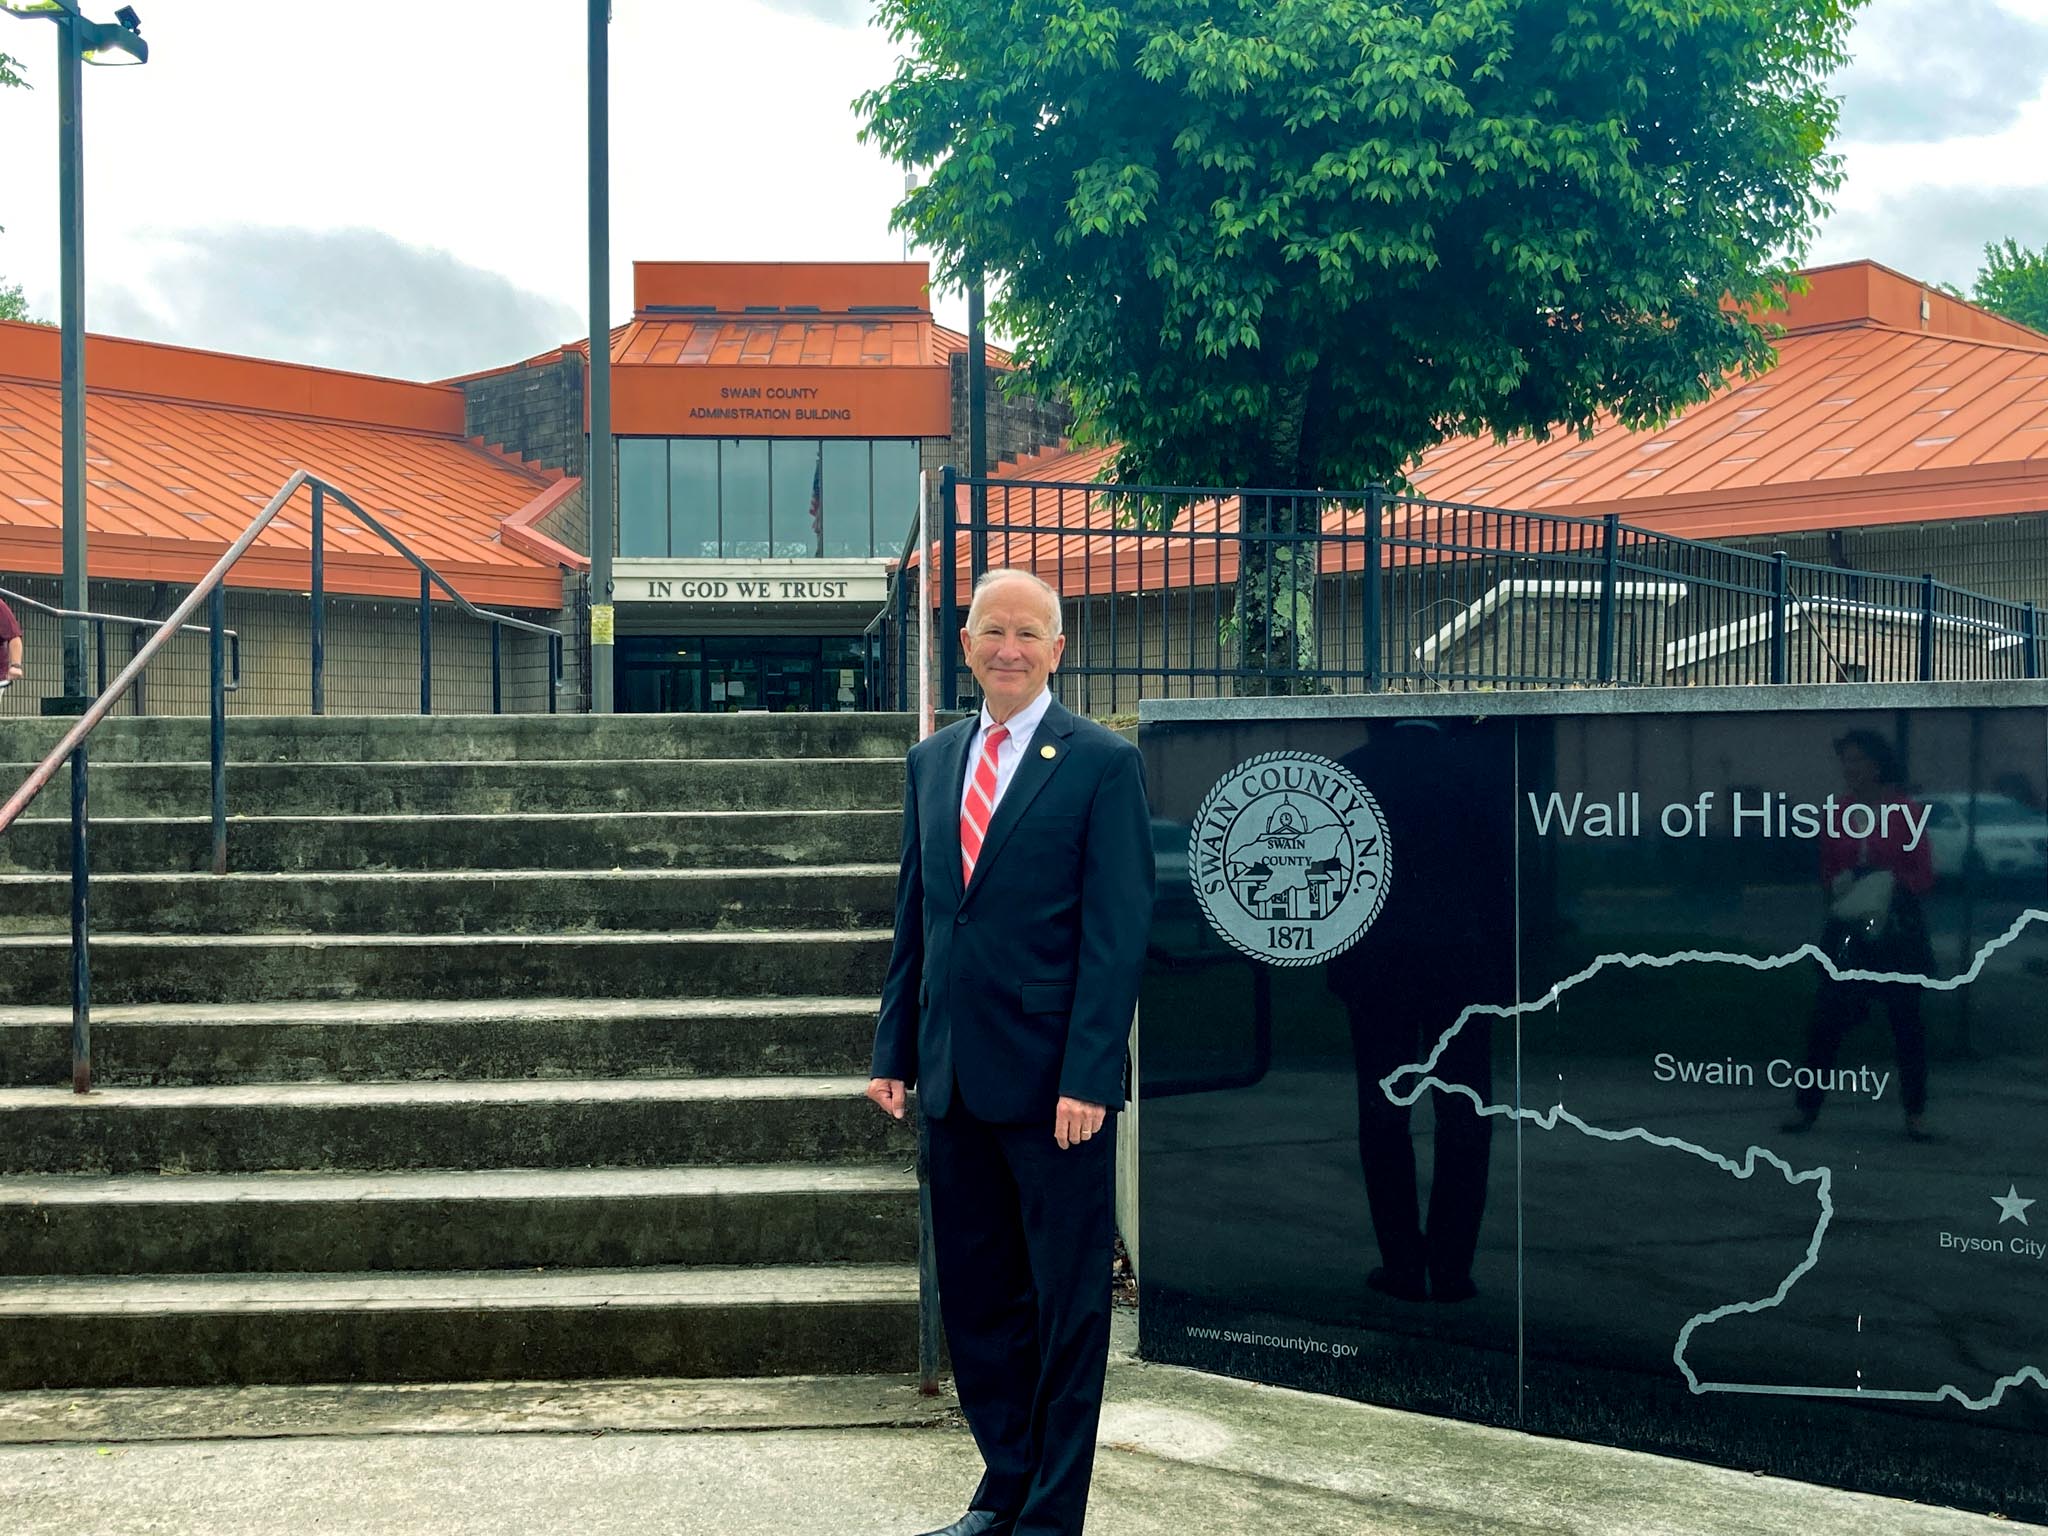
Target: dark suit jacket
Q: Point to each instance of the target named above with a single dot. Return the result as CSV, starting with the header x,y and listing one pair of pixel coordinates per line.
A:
x,y
1021,988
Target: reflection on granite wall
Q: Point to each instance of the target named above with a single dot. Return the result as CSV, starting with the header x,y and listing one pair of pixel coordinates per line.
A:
x,y
1673,1080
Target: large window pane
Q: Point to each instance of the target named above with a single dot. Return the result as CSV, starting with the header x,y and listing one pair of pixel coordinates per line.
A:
x,y
796,468
743,497
693,498
846,498
896,464
643,496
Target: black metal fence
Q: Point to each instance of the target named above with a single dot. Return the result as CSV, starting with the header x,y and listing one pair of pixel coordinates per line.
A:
x,y
1163,587
370,651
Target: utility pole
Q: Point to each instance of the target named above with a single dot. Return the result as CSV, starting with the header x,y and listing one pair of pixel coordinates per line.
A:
x,y
977,426
71,346
597,468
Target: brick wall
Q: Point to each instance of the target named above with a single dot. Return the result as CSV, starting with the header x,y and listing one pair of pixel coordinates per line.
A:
x,y
535,412
566,524
1015,427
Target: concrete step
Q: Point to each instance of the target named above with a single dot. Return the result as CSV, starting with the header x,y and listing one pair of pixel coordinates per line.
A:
x,y
554,840
510,786
573,1323
269,968
477,738
210,1045
498,1219
373,1127
461,902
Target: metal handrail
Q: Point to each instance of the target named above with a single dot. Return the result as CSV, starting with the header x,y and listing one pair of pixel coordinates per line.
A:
x,y
212,591
100,621
897,598
429,579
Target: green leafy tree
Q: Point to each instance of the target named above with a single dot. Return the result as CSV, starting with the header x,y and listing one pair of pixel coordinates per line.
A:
x,y
1294,243
13,306
2014,282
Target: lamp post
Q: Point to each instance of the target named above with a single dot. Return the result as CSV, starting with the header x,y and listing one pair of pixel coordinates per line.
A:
x,y
79,41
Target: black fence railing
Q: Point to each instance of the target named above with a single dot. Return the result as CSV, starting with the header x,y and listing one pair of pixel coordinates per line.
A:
x,y
1172,591
370,653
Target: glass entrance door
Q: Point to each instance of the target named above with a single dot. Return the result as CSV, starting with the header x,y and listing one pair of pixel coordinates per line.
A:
x,y
723,674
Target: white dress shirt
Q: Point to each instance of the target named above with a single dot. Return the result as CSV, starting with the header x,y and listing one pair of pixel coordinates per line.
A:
x,y
1023,725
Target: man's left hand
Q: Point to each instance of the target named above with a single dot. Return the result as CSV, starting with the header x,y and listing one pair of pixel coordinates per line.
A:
x,y
1076,1120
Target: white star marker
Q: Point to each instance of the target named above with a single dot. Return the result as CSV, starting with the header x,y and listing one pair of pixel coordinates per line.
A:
x,y
2011,1207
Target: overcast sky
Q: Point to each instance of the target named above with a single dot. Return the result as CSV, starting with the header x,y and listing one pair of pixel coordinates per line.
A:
x,y
398,187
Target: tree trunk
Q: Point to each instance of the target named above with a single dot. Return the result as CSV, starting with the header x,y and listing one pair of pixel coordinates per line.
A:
x,y
1279,552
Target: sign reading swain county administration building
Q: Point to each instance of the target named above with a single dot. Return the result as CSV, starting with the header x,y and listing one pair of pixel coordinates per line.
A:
x,y
770,402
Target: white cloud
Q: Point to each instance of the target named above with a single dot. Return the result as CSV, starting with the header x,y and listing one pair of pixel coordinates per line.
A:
x,y
345,298
1928,70
459,130
1937,232
842,13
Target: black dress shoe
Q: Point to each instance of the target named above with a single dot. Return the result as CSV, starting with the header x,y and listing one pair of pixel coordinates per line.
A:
x,y
1402,1285
1456,1289
978,1522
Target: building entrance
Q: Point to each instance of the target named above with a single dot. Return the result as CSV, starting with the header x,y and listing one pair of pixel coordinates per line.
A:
x,y
722,674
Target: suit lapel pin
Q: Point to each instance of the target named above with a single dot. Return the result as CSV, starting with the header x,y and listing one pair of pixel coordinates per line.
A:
x,y
1047,751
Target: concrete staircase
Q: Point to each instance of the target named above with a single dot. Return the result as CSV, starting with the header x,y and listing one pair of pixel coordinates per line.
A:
x,y
519,1047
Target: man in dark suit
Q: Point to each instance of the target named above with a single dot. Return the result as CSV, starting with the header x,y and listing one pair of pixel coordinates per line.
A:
x,y
1021,918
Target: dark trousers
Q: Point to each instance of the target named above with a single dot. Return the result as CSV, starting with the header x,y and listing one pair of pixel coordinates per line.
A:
x,y
1024,1238
1381,1040
1840,1006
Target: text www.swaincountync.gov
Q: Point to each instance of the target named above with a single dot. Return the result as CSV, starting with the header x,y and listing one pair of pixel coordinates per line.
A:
x,y
1273,1341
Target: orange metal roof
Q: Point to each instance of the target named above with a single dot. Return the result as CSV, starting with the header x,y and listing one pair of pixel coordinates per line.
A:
x,y
839,342
815,314
1872,415
733,287
1862,424
184,447
946,342
773,315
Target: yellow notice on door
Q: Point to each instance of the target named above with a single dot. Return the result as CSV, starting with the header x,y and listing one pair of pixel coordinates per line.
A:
x,y
601,623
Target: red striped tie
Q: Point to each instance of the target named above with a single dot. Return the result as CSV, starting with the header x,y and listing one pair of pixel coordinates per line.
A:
x,y
981,804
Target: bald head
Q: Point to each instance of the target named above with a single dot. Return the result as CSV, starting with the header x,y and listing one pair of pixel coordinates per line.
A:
x,y
1002,577
1012,639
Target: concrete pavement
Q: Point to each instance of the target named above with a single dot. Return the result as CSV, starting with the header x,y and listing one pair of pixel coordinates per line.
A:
x,y
1180,1453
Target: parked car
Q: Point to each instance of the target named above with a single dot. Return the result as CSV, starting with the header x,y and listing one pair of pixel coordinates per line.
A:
x,y
1985,835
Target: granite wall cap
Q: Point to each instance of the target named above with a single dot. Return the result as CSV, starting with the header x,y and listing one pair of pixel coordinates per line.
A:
x,y
1475,703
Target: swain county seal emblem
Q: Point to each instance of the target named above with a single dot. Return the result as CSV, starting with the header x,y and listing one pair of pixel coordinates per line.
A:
x,y
1289,858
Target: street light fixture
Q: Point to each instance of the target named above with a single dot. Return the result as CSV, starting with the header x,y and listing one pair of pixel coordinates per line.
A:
x,y
98,41
79,41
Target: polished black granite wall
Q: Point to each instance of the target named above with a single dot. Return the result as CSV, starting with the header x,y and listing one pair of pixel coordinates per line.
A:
x,y
1605,1210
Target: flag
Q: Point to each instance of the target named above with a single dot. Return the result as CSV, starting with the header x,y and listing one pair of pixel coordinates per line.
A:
x,y
818,499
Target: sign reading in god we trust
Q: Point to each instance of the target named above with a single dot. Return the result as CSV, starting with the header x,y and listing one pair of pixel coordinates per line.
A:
x,y
794,582
780,589
1289,858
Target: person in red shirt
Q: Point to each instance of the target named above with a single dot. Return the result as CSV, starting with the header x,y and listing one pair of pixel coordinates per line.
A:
x,y
1872,886
10,643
